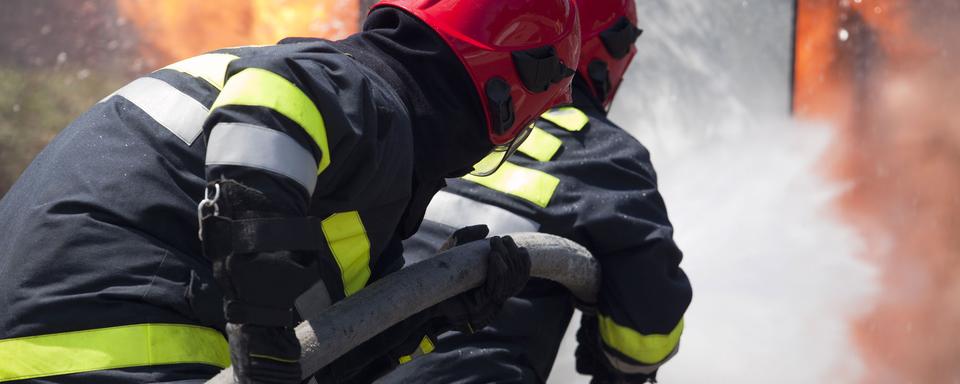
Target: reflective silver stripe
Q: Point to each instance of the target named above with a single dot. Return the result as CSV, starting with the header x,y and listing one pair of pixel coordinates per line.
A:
x,y
258,147
174,110
458,212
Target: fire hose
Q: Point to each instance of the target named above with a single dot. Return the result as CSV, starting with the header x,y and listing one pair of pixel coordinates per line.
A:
x,y
330,333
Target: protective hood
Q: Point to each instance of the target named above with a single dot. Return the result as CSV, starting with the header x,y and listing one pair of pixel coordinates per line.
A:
x,y
448,123
585,99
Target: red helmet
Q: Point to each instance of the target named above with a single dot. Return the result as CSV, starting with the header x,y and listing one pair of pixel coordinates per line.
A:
x,y
609,29
520,54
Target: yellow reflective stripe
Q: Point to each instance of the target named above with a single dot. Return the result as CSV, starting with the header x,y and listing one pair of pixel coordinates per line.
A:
x,y
211,67
262,88
347,239
540,145
530,184
111,348
568,118
646,349
426,346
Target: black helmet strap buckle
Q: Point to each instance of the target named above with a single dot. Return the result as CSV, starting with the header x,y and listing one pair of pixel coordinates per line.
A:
x,y
600,78
500,104
620,37
540,67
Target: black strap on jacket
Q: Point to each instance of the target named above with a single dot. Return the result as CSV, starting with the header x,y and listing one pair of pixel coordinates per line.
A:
x,y
263,234
225,237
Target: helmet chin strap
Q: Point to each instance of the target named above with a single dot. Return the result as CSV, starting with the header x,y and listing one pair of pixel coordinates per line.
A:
x,y
600,78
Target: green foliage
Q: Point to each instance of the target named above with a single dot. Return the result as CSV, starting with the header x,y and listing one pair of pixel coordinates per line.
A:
x,y
35,104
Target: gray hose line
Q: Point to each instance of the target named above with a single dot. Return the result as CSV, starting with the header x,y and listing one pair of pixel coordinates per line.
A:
x,y
347,324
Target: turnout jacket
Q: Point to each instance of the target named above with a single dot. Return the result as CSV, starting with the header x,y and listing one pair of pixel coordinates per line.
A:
x,y
99,248
581,177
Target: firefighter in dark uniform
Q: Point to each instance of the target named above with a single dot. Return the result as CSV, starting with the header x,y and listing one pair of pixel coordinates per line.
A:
x,y
582,177
305,161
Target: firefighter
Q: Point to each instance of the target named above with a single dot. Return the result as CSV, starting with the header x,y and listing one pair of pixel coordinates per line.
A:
x,y
305,161
582,177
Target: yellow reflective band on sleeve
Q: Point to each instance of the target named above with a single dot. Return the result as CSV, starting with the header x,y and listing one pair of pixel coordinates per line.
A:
x,y
568,118
347,239
646,349
111,348
540,145
262,88
426,346
211,67
530,184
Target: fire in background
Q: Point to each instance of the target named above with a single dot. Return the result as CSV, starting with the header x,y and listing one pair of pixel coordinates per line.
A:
x,y
884,72
59,57
176,29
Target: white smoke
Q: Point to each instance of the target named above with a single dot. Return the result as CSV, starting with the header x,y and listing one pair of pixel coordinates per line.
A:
x,y
775,272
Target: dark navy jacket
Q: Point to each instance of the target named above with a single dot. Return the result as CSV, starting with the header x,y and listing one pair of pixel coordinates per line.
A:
x,y
101,229
581,177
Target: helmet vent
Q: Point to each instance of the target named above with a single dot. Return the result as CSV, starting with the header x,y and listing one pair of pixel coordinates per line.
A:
x,y
619,38
540,67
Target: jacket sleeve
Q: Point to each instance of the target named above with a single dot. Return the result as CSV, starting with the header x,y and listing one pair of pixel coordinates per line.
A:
x,y
622,218
595,185
282,115
298,122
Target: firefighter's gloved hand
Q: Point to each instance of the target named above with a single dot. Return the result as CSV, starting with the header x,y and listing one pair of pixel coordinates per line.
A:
x,y
264,354
508,269
259,286
465,235
593,361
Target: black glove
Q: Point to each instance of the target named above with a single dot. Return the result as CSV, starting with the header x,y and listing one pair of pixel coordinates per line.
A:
x,y
508,269
465,235
259,286
592,361
264,354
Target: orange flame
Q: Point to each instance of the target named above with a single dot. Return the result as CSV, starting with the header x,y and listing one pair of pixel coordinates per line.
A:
x,y
176,29
883,71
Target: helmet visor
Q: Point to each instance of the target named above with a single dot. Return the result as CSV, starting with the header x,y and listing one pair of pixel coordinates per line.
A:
x,y
492,162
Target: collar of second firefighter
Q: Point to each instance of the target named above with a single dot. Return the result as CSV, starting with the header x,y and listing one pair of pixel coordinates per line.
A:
x,y
585,100
448,122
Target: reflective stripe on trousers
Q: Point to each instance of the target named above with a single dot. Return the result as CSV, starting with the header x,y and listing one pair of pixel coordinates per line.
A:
x,y
111,348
